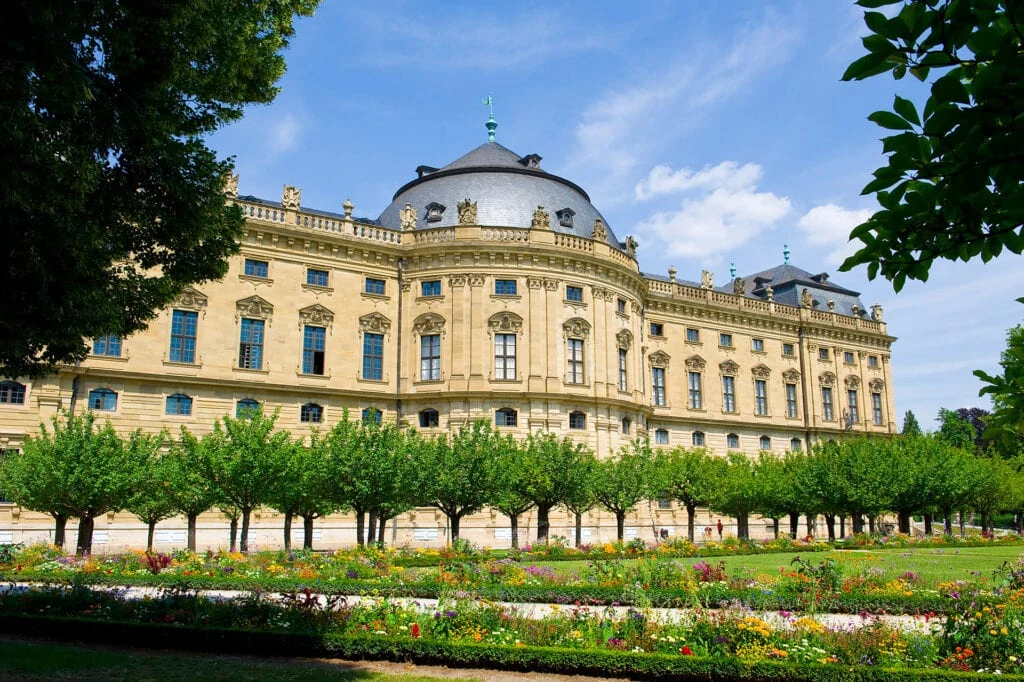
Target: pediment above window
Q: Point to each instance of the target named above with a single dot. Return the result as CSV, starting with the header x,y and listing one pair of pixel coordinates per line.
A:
x,y
254,307
317,315
728,368
696,363
659,359
428,323
191,299
505,322
576,328
374,323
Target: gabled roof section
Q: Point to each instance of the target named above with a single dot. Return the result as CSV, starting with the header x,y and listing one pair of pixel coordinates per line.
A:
x,y
788,282
789,274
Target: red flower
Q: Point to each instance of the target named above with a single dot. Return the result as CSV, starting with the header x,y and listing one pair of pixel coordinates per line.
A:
x,y
686,651
415,630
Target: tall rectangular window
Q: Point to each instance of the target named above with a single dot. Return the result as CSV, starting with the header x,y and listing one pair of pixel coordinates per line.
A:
x,y
658,385
876,408
430,288
623,370
183,336
505,287
316,278
851,400
373,356
574,358
574,294
250,344
696,399
109,345
505,356
374,286
826,403
791,400
760,396
430,357
728,394
256,268
314,343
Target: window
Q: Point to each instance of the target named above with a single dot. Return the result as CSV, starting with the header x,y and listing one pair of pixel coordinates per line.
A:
x,y
732,441
791,401
765,443
373,356
698,439
848,358
429,418
574,357
725,340
620,306
505,356
657,329
12,393
314,340
574,294
316,278
435,211
250,344
661,437
505,287
256,268
876,408
658,385
430,357
795,445
506,416
823,353
760,396
246,407
178,404
826,403
872,361
102,399
696,399
311,413
851,401
692,335
577,420
664,503
565,217
109,345
627,424
728,394
371,415
374,286
757,345
623,369
430,288
788,350
183,336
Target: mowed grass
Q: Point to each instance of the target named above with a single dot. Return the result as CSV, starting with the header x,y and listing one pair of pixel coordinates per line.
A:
x,y
25,660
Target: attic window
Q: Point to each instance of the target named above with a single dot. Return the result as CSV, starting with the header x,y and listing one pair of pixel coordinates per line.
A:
x,y
565,217
531,161
435,212
424,170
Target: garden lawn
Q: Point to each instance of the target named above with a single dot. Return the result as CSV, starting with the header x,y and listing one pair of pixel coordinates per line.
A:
x,y
22,661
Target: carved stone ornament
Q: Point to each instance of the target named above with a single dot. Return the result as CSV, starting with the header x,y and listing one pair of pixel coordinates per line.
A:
x,y
659,358
407,216
696,363
707,279
502,323
831,305
428,323
806,300
876,385
457,280
770,293
534,282
728,368
291,196
477,280
876,312
791,376
317,315
576,328
551,284
624,339
374,323
467,212
600,233
231,185
541,219
600,294
827,379
761,372
631,246
739,287
254,307
190,299
852,382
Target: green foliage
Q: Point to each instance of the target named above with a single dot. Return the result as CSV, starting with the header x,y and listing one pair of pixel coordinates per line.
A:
x,y
621,482
955,430
952,188
910,425
1006,424
116,204
688,475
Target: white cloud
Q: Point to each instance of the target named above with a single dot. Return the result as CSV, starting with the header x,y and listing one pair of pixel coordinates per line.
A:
x,y
727,175
283,134
830,225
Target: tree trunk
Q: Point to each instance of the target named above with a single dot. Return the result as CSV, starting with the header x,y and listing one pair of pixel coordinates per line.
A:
x,y
579,528
371,528
83,546
775,527
514,522
927,524
691,520
233,533
947,522
842,527
742,526
454,520
903,519
963,524
60,526
307,527
620,525
830,523
543,522
360,527
811,524
858,524
243,545
150,532
382,522
871,525
794,524
288,531
190,520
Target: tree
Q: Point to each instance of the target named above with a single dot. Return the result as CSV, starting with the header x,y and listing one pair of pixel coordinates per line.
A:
x,y
116,203
956,431
511,479
185,467
579,476
688,475
547,459
33,479
621,482
736,494
1006,423
910,425
300,488
952,188
150,500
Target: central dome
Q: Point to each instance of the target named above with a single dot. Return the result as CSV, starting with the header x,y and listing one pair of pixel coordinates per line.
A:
x,y
507,189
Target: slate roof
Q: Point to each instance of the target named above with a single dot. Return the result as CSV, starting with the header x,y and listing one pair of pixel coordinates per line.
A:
x,y
788,282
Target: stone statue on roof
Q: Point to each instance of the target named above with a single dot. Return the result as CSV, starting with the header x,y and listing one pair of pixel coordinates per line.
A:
x,y
467,212
408,217
707,280
739,287
806,300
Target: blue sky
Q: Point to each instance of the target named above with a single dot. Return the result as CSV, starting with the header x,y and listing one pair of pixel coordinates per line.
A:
x,y
715,132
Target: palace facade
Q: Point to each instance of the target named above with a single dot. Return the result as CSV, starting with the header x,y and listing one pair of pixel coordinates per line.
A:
x,y
487,289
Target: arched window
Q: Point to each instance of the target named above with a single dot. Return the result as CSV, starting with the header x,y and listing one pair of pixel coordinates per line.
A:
x,y
311,413
732,441
506,416
661,437
766,443
372,414
179,404
429,418
795,445
102,399
698,439
577,420
246,407
627,424
12,393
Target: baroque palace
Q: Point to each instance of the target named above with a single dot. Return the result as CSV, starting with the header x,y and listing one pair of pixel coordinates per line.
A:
x,y
487,289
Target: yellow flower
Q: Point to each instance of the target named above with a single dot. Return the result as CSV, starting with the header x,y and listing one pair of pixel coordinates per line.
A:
x,y
1002,631
991,632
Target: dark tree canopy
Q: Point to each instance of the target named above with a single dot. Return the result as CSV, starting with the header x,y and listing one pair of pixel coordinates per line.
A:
x,y
911,427
952,188
110,202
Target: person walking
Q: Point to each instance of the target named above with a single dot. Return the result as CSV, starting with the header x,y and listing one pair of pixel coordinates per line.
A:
x,y
719,529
